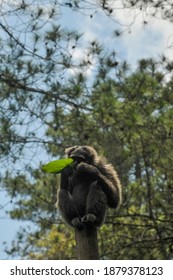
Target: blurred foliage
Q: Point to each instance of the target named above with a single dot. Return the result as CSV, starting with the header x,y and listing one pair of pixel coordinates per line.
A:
x,y
51,98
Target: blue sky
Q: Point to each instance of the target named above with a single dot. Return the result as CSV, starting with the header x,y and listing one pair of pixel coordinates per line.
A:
x,y
151,40
139,40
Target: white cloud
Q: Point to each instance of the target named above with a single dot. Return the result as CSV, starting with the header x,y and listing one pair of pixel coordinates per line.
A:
x,y
139,41
149,40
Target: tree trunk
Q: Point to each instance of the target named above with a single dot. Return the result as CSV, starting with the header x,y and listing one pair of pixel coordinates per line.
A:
x,y
87,244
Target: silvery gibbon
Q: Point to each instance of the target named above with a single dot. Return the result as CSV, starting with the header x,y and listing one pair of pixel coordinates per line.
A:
x,y
87,188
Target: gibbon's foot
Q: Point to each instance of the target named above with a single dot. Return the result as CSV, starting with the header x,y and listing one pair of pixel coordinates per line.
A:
x,y
89,219
77,223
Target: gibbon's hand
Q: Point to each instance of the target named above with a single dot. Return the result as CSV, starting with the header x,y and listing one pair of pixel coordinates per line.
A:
x,y
87,168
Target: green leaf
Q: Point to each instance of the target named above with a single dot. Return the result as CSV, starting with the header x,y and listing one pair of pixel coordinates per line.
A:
x,y
56,166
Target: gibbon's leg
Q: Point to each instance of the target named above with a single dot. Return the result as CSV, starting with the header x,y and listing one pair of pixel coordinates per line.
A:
x,y
96,206
110,186
65,202
68,209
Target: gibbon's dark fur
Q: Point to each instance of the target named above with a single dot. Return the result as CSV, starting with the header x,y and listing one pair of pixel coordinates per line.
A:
x,y
87,188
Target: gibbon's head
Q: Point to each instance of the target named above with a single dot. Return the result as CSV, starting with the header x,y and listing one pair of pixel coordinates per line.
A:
x,y
82,153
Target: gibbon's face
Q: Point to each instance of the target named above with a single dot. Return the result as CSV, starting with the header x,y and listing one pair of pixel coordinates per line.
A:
x,y
80,154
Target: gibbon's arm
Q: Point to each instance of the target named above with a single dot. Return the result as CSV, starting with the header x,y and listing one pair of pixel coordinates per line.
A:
x,y
111,190
66,172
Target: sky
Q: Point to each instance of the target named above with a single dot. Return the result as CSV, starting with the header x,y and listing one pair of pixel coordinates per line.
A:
x,y
140,41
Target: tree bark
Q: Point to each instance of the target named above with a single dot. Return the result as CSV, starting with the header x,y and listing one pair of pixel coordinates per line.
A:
x,y
87,244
